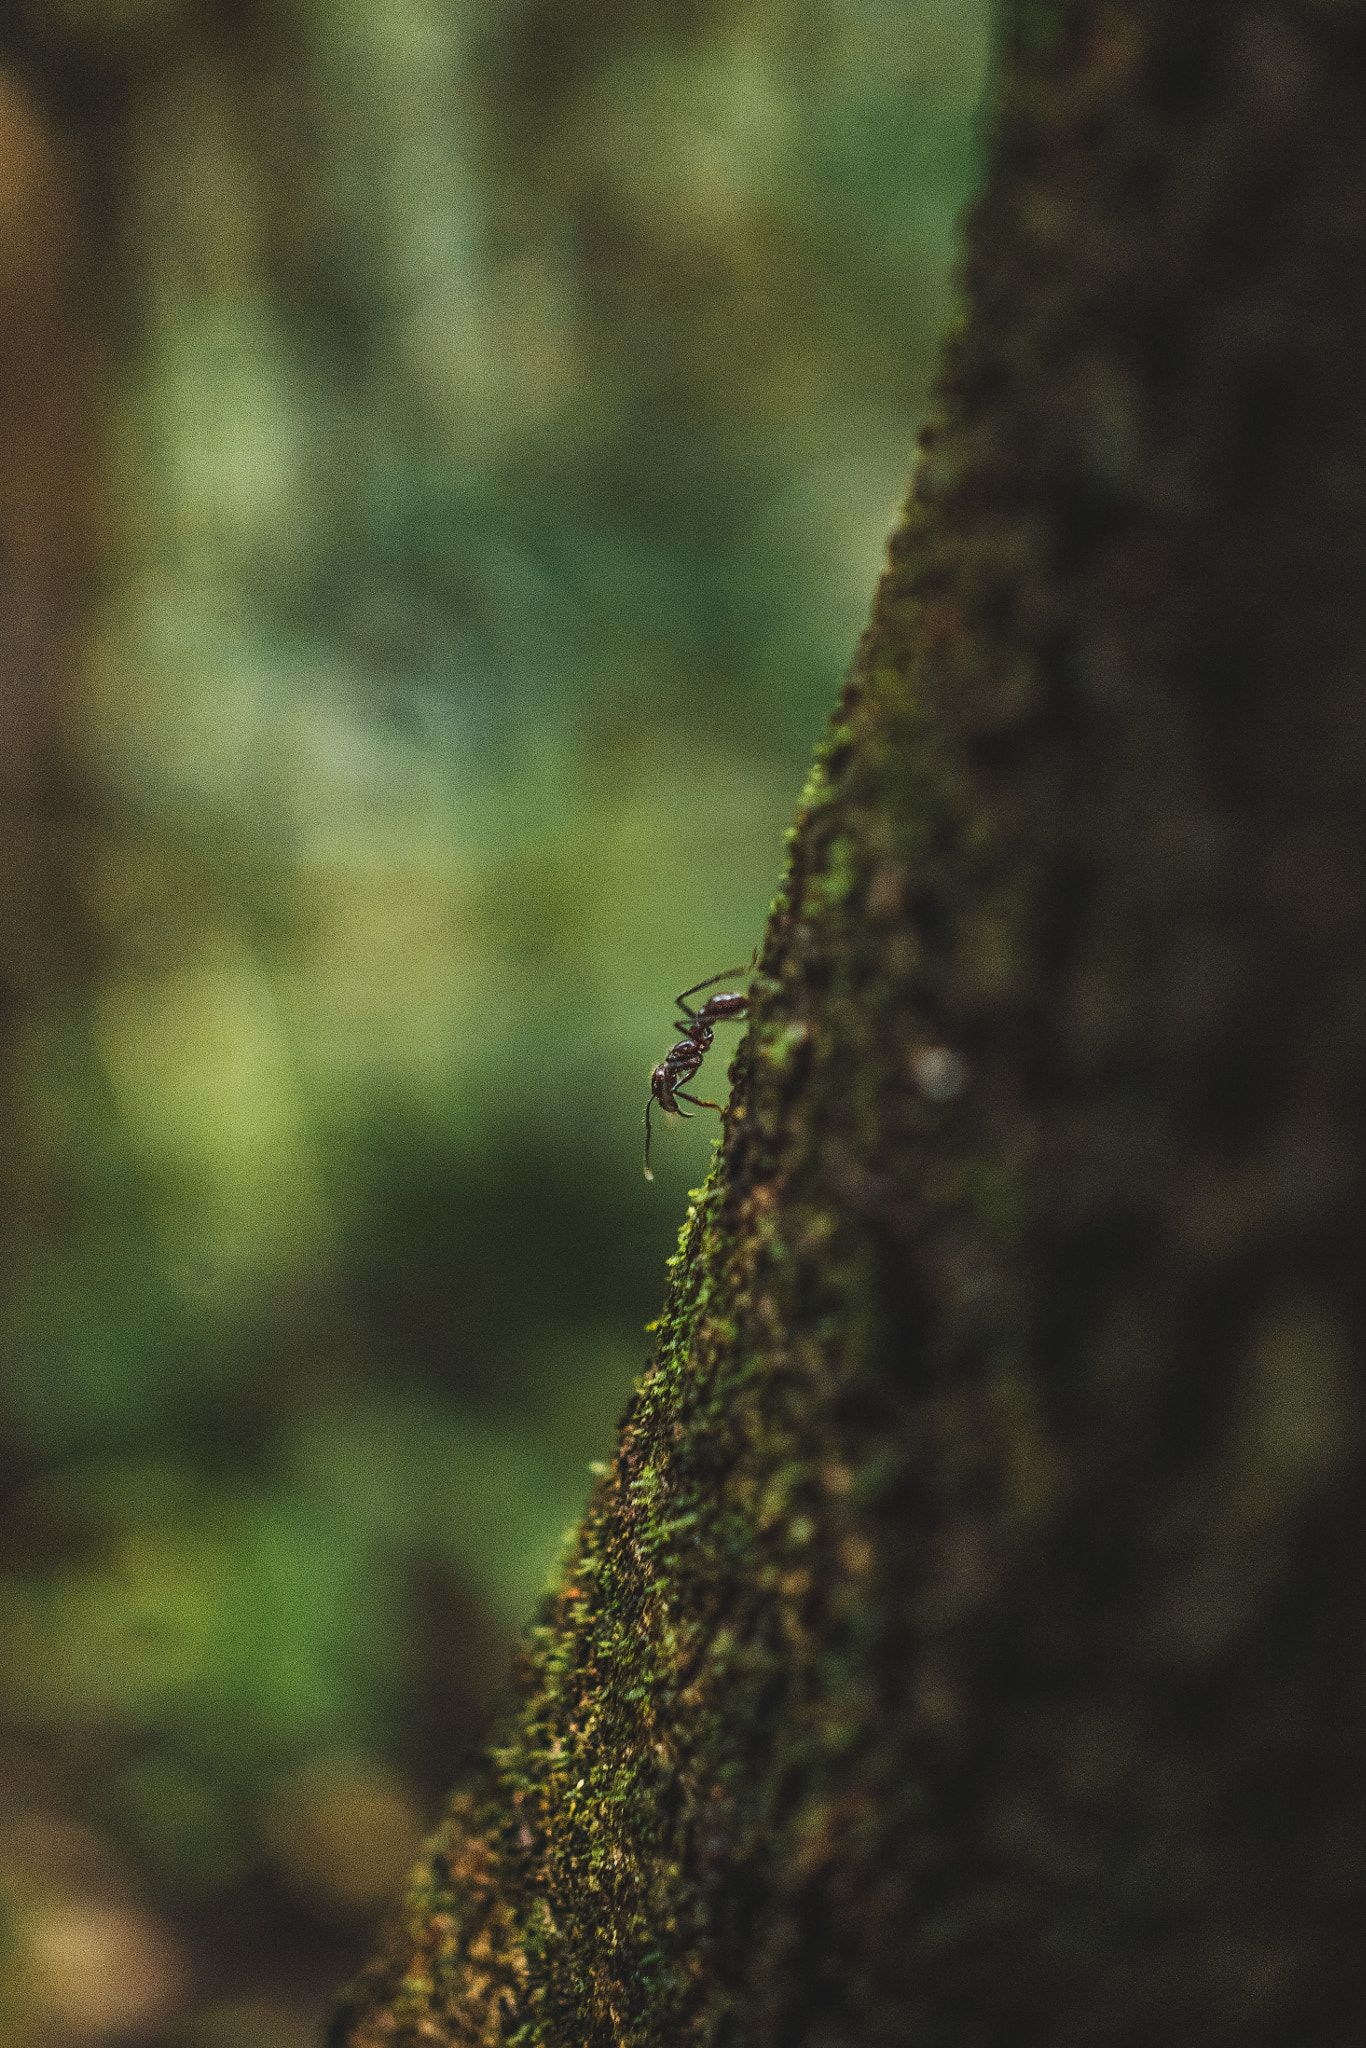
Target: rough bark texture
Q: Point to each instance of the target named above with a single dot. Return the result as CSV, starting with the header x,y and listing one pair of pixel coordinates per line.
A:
x,y
969,1641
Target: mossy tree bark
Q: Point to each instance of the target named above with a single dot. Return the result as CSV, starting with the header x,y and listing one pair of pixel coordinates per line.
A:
x,y
969,1641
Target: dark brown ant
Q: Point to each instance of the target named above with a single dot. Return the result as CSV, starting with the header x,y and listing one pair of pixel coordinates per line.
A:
x,y
682,1061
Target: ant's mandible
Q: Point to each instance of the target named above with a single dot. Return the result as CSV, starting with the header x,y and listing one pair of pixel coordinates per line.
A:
x,y
682,1061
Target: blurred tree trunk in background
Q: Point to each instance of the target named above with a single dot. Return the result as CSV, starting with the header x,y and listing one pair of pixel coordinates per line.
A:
x,y
968,1641
48,394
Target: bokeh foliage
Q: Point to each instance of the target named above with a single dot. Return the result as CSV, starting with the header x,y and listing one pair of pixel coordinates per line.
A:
x,y
504,410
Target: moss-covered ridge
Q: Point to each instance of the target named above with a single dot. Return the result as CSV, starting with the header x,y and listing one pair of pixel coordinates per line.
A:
x,y
707,1649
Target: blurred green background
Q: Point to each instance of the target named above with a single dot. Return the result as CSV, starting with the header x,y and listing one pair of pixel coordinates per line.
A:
x,y
500,411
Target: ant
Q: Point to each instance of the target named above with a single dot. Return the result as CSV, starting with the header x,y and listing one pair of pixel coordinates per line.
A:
x,y
682,1061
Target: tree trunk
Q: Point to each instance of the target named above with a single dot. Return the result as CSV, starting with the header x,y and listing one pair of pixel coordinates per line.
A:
x,y
969,1641
49,380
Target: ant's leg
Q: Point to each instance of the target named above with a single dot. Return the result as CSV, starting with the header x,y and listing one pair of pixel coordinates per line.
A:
x,y
675,1111
697,1099
672,1112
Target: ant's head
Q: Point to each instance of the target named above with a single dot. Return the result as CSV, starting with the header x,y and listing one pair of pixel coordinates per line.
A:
x,y
717,1007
